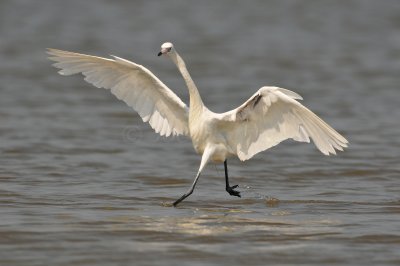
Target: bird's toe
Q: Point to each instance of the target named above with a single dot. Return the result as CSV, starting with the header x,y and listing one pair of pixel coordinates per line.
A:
x,y
233,192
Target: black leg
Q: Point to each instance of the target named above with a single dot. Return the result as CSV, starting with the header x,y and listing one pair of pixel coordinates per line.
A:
x,y
230,189
190,191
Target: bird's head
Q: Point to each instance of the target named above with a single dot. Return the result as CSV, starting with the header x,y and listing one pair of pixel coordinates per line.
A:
x,y
166,48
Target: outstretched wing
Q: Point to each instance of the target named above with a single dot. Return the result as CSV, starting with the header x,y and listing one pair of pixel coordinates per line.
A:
x,y
272,115
132,83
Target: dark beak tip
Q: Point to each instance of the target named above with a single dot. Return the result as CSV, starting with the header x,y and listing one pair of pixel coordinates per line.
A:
x,y
159,54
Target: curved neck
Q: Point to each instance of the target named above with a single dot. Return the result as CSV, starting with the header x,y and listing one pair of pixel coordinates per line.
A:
x,y
195,99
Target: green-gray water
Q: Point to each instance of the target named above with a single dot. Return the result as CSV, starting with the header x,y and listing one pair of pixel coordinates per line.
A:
x,y
84,182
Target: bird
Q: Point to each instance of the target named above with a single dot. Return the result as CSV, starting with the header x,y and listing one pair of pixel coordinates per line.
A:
x,y
270,116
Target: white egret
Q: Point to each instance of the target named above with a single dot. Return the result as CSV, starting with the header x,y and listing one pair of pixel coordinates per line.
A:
x,y
270,116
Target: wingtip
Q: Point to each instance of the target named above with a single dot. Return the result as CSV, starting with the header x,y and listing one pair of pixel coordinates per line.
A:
x,y
52,51
48,50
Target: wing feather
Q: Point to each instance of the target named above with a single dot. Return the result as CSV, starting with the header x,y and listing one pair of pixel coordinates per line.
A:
x,y
131,83
272,115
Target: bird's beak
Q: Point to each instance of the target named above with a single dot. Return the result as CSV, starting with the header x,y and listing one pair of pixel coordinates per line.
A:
x,y
163,51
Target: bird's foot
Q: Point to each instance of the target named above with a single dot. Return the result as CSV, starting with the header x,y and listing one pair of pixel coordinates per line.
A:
x,y
233,192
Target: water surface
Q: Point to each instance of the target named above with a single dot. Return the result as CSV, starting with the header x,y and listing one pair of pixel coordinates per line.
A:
x,y
84,182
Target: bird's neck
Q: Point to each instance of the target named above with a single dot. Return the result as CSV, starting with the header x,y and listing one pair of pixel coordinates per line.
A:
x,y
196,104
